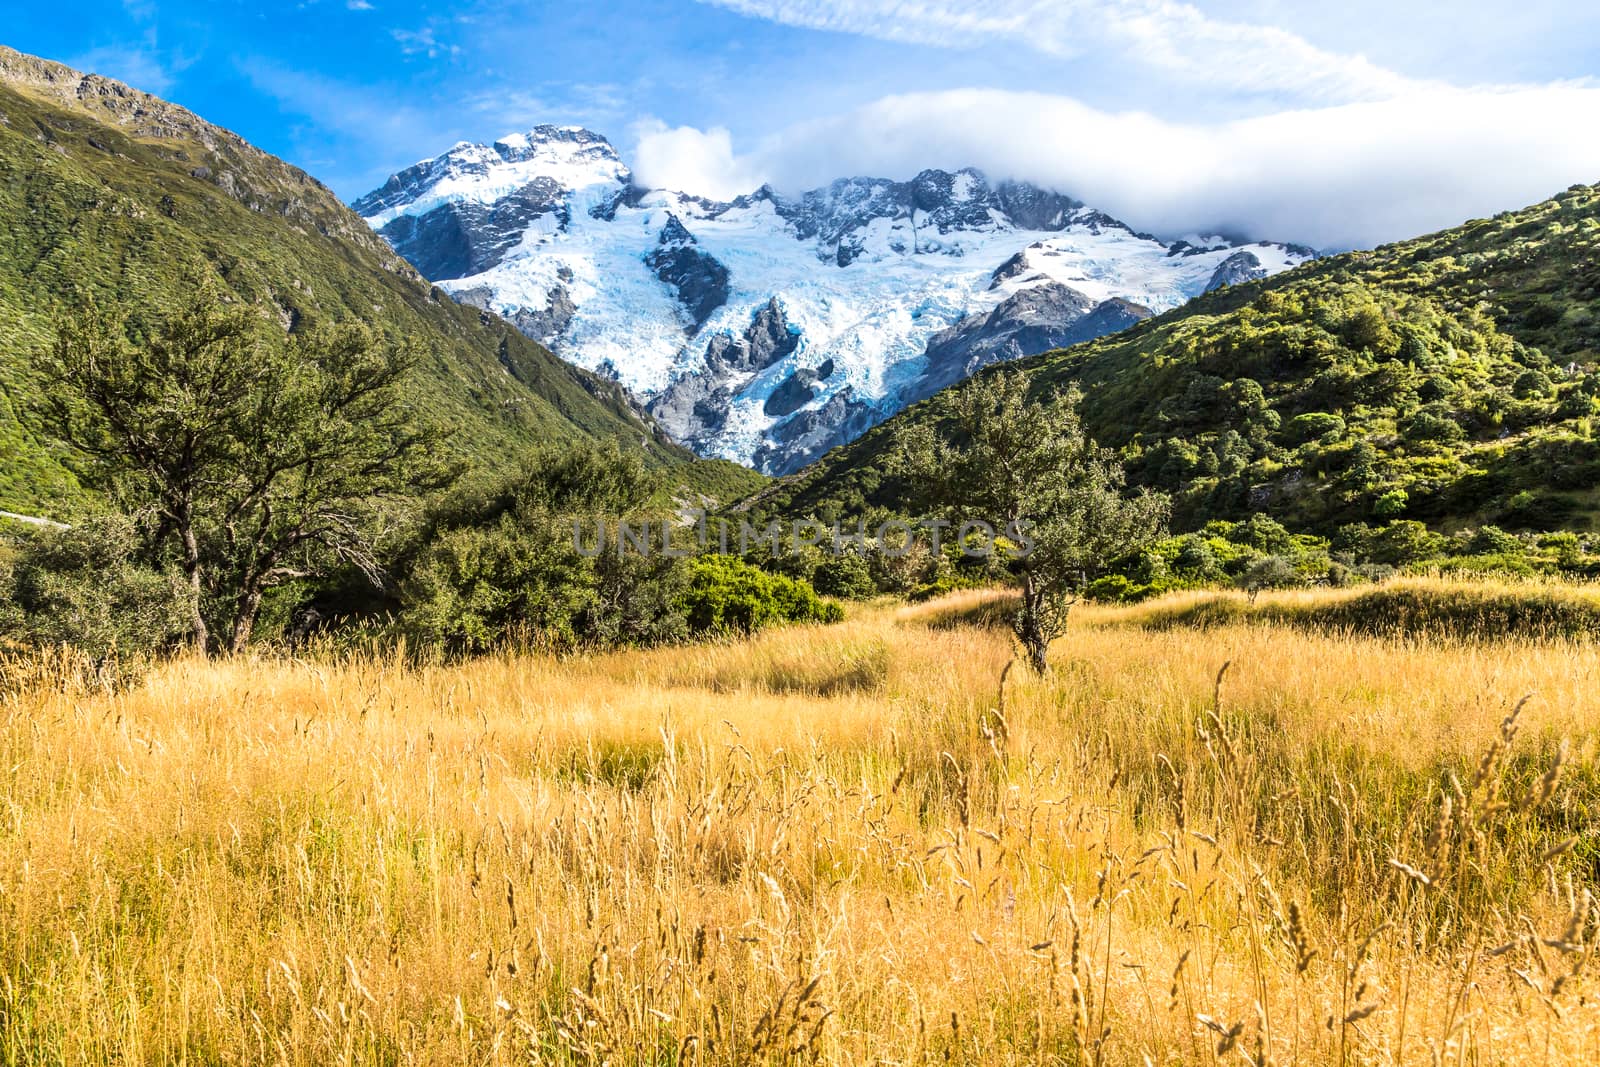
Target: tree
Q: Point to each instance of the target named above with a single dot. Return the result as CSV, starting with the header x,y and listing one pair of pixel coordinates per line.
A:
x,y
265,457
993,455
522,556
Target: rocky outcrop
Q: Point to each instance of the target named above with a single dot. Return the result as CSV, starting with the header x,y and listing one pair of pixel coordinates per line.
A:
x,y
1034,320
809,434
797,390
1239,267
458,240
543,324
695,406
700,282
931,206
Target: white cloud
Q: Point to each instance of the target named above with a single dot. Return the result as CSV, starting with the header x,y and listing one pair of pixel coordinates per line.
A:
x,y
691,160
424,42
1176,40
359,5
1351,175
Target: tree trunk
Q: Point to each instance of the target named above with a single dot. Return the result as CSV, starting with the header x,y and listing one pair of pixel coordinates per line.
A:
x,y
191,567
244,622
1029,625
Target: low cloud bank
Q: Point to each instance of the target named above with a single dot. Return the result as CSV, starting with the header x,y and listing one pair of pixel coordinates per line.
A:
x,y
1350,175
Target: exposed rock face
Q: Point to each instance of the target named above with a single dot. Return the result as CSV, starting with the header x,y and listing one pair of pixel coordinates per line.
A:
x,y
1239,267
462,213
1037,319
543,324
796,391
771,327
929,207
701,282
696,405
809,434
559,154
461,239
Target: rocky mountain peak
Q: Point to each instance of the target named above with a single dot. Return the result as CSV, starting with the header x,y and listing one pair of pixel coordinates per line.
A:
x,y
774,326
566,158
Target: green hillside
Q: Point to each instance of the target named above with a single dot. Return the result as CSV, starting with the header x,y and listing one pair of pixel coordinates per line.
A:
x,y
1449,379
110,191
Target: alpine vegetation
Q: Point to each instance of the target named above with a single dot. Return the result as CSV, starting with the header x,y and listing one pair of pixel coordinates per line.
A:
x,y
919,620
990,450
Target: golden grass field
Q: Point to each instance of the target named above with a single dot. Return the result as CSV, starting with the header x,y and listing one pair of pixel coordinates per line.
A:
x,y
836,844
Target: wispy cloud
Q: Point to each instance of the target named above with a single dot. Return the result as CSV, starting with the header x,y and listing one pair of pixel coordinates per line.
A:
x,y
424,42
373,127
143,64
505,110
1176,40
359,5
1349,175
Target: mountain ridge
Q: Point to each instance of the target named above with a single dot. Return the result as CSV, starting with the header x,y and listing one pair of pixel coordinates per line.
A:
x,y
655,288
1450,379
125,192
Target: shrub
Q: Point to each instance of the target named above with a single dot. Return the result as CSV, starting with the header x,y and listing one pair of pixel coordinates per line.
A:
x,y
1492,539
84,587
1270,572
725,594
1397,544
1314,425
1532,385
1196,556
1432,424
1391,505
472,590
847,575
498,563
1114,588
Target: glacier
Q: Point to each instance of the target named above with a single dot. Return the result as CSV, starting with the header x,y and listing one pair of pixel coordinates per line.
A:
x,y
769,329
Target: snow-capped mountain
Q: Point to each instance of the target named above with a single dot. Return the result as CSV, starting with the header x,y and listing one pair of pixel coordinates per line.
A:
x,y
770,328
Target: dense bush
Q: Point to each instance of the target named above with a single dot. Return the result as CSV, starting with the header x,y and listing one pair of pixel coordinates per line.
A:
x,y
538,557
84,587
848,575
500,561
1411,608
726,594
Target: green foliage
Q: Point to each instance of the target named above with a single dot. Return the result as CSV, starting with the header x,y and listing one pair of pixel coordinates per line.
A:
x,y
516,559
708,485
1412,610
85,587
1457,369
848,575
126,198
725,594
1258,553
1270,572
1391,504
1028,469
539,557
264,459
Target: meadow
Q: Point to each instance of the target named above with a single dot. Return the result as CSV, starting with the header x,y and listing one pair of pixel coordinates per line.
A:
x,y
1247,841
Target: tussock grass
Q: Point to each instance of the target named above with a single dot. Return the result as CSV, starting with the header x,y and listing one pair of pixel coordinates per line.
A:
x,y
834,844
1415,607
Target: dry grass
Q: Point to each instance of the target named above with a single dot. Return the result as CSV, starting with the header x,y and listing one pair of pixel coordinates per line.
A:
x,y
833,844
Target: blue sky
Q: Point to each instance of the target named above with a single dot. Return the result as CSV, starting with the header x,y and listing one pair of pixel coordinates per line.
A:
x,y
1154,108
